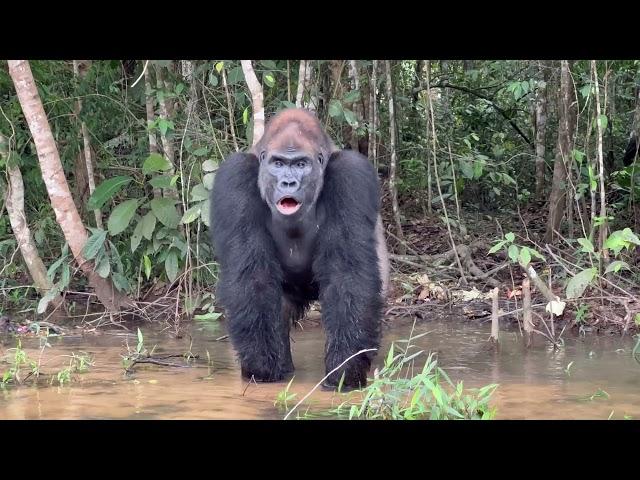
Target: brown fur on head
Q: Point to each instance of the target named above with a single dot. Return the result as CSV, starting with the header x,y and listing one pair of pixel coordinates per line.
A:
x,y
295,128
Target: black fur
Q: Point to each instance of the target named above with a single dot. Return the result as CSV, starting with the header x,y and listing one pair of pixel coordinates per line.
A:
x,y
261,299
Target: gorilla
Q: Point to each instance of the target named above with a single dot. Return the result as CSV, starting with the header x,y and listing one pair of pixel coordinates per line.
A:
x,y
293,221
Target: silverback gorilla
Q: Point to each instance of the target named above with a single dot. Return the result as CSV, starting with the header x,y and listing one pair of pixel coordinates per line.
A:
x,y
293,221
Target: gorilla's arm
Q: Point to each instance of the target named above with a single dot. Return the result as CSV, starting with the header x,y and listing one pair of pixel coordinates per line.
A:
x,y
250,285
346,265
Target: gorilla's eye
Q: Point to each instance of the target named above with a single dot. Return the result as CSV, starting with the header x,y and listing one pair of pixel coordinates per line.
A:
x,y
301,164
278,164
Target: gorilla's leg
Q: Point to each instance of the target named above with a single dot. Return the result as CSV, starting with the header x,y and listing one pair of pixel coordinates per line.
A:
x,y
347,268
250,285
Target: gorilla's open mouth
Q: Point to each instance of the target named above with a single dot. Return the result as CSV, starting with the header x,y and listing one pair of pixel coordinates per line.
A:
x,y
288,206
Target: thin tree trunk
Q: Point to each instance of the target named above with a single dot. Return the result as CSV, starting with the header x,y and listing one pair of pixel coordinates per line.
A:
x,y
371,117
151,117
80,70
428,136
53,174
527,319
288,81
20,226
541,124
495,319
393,162
566,126
603,203
167,144
355,85
257,100
304,71
230,109
376,120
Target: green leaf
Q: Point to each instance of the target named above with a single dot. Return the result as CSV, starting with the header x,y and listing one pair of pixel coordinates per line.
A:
x,y
208,316
287,104
191,214
235,75
164,181
602,121
525,256
204,213
121,216
65,277
94,245
148,225
352,96
510,237
587,246
171,265
616,266
335,108
164,125
209,166
155,163
136,238
578,284
513,253
219,66
147,266
467,169
120,282
245,116
350,117
213,79
268,64
165,211
199,193
269,80
201,152
106,190
497,247
207,180
179,88
104,267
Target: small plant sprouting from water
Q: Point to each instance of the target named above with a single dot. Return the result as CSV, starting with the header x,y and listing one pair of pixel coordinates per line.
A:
x,y
22,367
396,393
284,397
567,370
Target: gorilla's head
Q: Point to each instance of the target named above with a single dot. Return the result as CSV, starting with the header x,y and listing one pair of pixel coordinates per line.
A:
x,y
293,154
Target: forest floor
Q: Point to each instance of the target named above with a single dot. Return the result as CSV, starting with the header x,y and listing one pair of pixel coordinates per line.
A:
x,y
427,282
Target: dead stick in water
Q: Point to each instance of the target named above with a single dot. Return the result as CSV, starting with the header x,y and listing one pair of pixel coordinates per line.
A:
x,y
495,323
526,307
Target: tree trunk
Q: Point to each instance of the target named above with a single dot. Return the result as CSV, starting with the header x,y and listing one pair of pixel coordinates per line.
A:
x,y
634,145
567,116
392,163
53,174
257,100
541,124
151,117
355,85
229,109
20,226
603,203
80,70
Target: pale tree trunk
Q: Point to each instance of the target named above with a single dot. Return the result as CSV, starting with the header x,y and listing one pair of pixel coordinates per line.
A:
x,y
65,210
567,112
371,118
187,68
541,124
355,85
373,135
229,109
80,70
393,162
257,100
20,226
305,84
151,117
634,145
603,203
428,150
167,144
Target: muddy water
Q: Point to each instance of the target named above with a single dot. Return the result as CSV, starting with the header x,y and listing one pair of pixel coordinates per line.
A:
x,y
534,384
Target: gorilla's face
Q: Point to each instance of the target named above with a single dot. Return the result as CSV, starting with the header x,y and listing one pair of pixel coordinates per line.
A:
x,y
292,163
291,180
